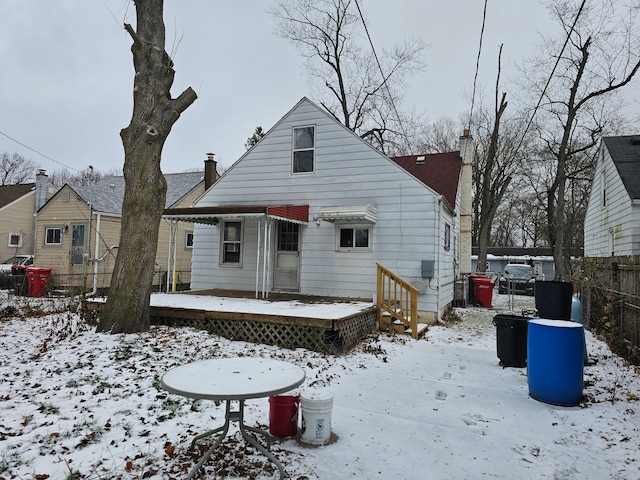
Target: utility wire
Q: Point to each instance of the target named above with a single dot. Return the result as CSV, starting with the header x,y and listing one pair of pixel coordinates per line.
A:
x,y
475,78
384,80
544,90
39,153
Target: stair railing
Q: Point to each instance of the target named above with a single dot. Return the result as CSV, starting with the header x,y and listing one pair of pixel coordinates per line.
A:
x,y
397,297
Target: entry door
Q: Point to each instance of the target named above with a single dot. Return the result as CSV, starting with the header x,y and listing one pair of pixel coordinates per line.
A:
x,y
287,257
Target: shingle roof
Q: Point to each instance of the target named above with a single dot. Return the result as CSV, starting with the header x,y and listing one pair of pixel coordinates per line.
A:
x,y
440,171
625,153
9,193
108,192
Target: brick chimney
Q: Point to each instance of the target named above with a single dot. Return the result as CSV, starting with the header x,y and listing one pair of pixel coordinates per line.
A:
x,y
210,171
466,184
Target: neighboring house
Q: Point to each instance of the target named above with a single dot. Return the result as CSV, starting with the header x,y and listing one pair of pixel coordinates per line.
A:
x,y
612,219
18,206
79,246
311,208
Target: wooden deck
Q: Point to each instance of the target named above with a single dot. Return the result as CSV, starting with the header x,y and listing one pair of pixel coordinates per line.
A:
x,y
319,324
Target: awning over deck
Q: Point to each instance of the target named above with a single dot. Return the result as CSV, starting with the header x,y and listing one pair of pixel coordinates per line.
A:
x,y
212,215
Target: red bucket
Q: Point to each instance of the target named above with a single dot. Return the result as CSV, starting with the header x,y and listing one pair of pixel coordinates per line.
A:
x,y
283,415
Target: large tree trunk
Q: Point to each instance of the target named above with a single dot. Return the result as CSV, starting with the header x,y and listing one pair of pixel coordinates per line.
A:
x,y
154,113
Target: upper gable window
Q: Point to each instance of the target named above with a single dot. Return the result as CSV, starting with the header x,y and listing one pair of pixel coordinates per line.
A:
x,y
303,149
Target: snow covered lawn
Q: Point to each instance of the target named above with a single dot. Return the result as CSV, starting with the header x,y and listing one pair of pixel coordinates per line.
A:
x,y
79,405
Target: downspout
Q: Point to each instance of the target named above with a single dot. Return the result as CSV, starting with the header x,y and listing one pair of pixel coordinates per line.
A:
x,y
174,274
438,256
168,257
95,263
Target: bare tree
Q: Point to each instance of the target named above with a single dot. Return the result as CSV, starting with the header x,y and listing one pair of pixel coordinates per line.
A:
x,y
81,178
330,35
441,136
154,114
15,169
602,55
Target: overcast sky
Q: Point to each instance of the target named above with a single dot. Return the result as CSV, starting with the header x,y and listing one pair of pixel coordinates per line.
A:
x,y
66,76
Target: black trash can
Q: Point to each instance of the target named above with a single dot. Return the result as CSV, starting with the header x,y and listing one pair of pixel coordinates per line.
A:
x,y
553,299
511,340
19,280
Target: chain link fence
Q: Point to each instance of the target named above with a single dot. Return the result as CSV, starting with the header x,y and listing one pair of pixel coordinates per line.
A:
x,y
610,294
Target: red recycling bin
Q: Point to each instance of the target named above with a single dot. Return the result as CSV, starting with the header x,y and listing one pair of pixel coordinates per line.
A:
x,y
283,415
483,290
37,281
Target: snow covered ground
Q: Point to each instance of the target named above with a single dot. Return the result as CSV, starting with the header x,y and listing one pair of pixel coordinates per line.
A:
x,y
75,404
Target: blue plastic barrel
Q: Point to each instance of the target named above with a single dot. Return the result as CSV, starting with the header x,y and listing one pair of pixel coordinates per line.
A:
x,y
555,353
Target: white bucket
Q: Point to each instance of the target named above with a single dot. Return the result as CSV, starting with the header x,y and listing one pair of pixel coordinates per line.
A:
x,y
316,417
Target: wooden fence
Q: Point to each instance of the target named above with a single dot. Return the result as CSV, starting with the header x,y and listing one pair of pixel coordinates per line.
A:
x,y
610,293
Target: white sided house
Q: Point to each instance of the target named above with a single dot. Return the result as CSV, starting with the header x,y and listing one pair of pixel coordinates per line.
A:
x,y
312,208
612,219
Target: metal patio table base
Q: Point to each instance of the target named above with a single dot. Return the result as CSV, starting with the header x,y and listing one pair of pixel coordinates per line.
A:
x,y
235,379
235,416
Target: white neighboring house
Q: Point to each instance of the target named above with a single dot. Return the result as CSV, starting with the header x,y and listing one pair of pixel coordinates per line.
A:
x,y
612,219
312,207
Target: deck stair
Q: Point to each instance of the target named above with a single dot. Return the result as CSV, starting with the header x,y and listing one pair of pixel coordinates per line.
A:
x,y
397,304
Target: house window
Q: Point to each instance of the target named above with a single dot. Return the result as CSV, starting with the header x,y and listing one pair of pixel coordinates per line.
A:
x,y
53,236
15,240
447,237
77,244
603,188
232,243
354,238
303,149
188,240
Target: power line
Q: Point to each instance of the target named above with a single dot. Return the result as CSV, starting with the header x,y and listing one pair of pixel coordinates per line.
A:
x,y
475,78
39,153
384,80
544,90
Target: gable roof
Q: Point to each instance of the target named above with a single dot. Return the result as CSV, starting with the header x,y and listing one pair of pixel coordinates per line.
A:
x,y
440,171
107,194
10,193
625,153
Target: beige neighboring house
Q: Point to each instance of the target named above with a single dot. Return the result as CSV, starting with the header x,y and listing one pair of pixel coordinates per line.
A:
x,y
18,206
78,231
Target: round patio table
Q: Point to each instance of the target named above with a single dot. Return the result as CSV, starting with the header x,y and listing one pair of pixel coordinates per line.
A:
x,y
233,379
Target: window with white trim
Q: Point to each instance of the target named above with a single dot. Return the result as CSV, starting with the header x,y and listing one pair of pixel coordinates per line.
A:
x,y
350,238
447,236
231,254
188,240
15,240
303,149
603,188
53,236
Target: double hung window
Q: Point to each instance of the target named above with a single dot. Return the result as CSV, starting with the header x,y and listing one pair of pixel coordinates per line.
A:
x,y
303,149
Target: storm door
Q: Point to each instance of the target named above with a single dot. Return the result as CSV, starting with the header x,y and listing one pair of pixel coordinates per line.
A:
x,y
287,257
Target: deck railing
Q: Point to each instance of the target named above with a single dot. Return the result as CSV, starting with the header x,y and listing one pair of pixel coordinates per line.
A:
x,y
398,298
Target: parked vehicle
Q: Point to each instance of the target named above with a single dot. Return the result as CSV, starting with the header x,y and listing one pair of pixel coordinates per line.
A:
x,y
5,268
517,278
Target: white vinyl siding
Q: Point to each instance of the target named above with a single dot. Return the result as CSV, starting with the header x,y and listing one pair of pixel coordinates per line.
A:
x,y
612,222
347,171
